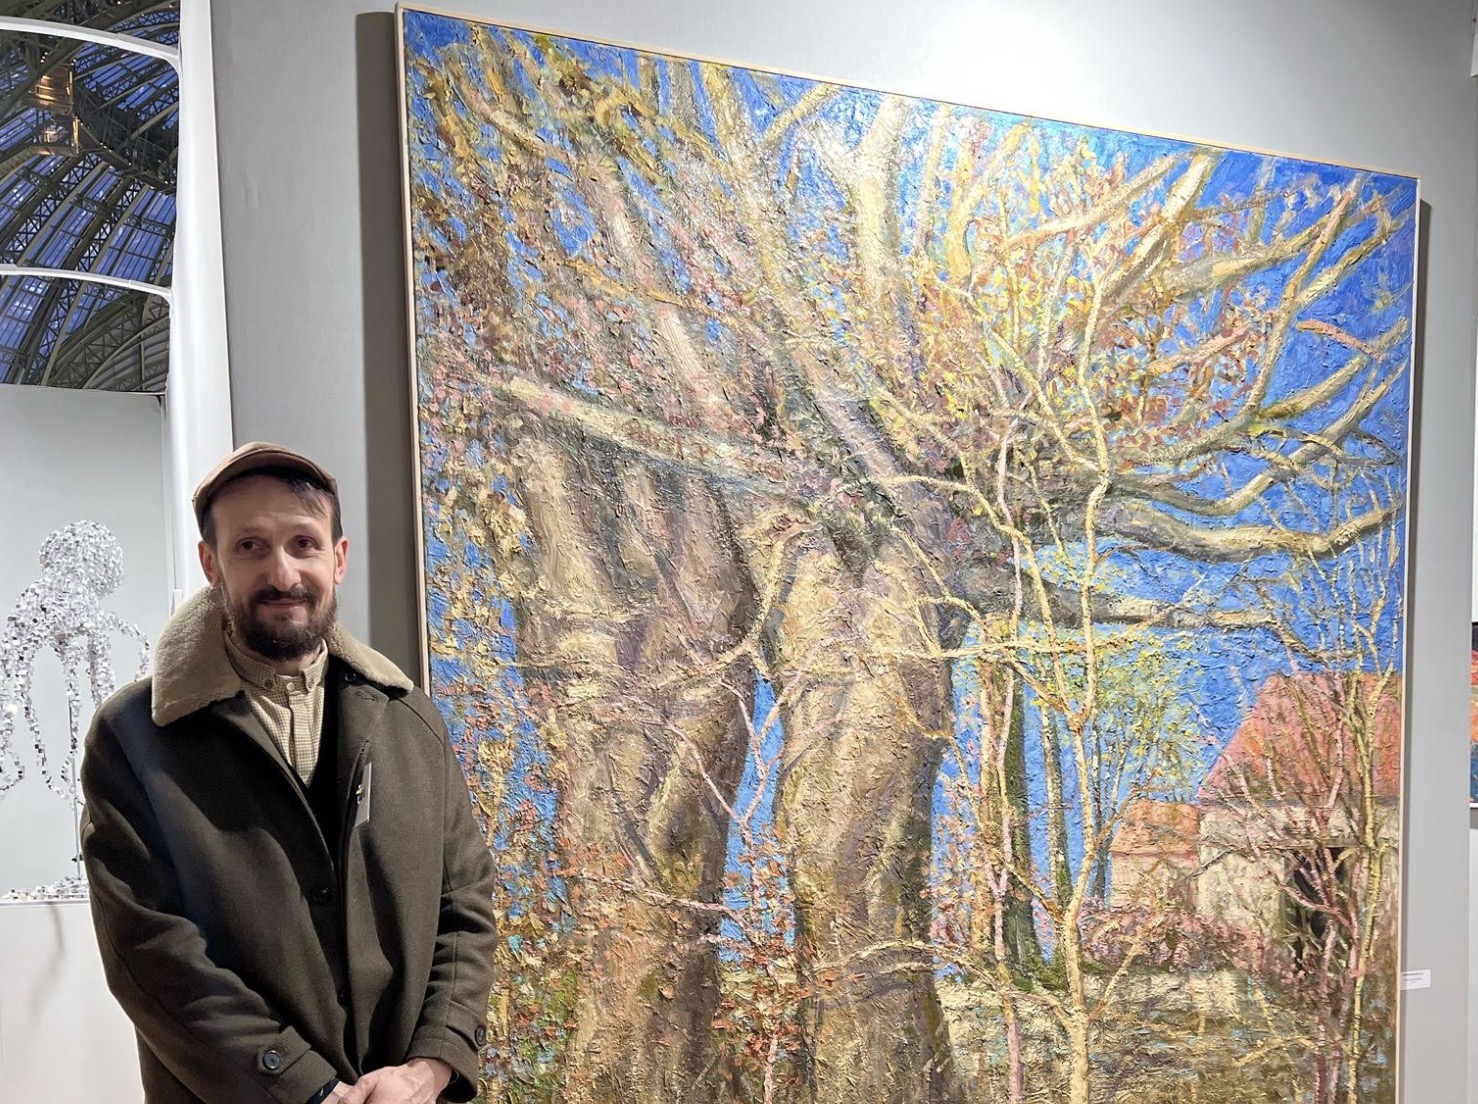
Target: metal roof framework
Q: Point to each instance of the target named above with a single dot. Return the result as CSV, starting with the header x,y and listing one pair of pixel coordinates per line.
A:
x,y
89,149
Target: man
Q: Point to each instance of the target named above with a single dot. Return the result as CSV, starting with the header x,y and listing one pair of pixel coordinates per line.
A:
x,y
292,898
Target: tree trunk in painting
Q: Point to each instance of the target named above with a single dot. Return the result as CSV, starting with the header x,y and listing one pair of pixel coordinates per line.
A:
x,y
854,808
1022,948
637,584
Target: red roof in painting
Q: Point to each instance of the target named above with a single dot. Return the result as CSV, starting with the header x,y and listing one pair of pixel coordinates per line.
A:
x,y
1298,742
1159,828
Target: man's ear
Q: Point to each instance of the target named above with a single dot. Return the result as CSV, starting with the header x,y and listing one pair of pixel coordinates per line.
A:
x,y
341,559
209,565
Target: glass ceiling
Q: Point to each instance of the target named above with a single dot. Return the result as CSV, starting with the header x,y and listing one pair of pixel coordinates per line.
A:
x,y
89,143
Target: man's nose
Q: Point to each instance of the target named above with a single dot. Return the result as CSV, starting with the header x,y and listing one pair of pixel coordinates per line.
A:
x,y
282,572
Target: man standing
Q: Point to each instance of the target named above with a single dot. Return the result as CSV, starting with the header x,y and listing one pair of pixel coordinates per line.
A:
x,y
290,892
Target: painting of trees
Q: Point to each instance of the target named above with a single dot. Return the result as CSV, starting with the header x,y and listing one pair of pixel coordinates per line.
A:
x,y
846,517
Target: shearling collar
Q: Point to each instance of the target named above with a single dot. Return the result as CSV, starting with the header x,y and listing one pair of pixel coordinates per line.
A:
x,y
192,670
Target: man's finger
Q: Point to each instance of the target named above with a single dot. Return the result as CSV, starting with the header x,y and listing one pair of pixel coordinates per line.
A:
x,y
354,1094
381,1092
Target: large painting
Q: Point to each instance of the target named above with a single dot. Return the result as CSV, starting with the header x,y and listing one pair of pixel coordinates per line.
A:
x,y
918,590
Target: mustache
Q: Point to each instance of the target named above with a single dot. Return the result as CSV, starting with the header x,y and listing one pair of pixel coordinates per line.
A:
x,y
299,593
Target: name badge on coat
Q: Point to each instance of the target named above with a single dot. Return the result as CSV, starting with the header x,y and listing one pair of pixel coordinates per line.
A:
x,y
362,796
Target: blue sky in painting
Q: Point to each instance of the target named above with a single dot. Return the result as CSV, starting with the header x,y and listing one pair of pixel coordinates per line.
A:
x,y
1222,671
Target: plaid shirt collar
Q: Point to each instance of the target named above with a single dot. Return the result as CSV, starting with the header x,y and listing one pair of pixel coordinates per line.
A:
x,y
258,673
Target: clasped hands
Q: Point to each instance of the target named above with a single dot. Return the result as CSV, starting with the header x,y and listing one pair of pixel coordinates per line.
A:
x,y
419,1081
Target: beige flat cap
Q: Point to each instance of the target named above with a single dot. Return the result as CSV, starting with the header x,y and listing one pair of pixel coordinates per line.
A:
x,y
253,457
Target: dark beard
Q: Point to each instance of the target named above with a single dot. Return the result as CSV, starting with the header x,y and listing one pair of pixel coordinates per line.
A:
x,y
283,641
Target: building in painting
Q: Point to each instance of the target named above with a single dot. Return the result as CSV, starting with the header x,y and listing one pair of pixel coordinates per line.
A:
x,y
1155,854
1315,761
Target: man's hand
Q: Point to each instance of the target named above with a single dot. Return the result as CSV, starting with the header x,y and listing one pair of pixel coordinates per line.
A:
x,y
419,1081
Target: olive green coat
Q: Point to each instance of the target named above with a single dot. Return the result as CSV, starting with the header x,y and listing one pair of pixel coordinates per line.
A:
x,y
254,967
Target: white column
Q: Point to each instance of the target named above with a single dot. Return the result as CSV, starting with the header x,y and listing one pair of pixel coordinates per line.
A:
x,y
198,395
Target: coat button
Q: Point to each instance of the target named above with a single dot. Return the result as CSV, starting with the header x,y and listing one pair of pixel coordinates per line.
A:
x,y
271,1059
480,1035
322,895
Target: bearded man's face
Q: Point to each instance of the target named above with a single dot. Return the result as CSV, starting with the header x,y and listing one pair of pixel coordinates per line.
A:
x,y
277,566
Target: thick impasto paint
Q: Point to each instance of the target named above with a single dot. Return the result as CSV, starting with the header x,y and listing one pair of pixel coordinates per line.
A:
x,y
918,590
